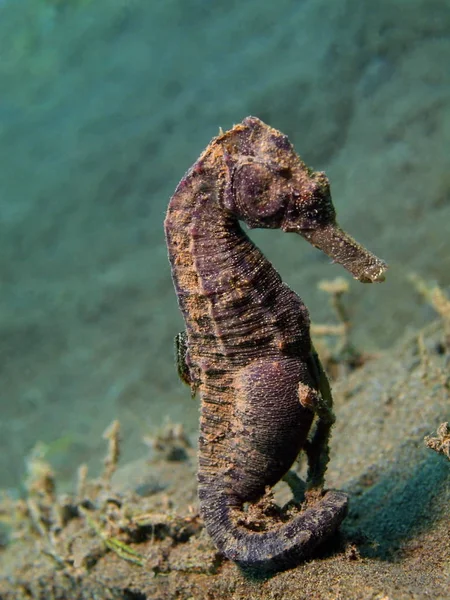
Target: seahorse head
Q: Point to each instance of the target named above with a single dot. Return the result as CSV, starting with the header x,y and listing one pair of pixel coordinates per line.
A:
x,y
269,186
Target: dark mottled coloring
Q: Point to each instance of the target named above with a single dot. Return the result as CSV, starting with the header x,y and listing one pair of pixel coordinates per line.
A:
x,y
247,347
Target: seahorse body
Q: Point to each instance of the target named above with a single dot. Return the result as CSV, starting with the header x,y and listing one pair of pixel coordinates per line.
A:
x,y
248,348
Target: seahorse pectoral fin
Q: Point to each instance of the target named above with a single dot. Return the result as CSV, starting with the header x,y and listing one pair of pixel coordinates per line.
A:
x,y
180,344
181,359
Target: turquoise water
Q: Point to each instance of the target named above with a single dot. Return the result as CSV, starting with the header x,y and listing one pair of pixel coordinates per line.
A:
x,y
105,104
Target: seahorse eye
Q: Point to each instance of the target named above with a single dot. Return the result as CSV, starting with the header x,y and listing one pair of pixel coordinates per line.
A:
x,y
311,206
259,199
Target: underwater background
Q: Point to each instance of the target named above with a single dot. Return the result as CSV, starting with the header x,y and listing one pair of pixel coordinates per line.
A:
x,y
104,104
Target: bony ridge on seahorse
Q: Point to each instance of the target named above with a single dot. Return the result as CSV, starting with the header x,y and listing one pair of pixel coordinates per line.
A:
x,y
247,348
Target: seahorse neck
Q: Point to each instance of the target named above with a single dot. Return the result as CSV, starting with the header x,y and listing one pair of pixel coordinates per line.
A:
x,y
204,240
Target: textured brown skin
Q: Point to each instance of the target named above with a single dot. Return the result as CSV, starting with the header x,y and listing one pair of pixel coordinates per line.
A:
x,y
248,349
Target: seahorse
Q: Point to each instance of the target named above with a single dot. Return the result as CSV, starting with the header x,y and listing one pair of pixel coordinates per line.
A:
x,y
247,348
